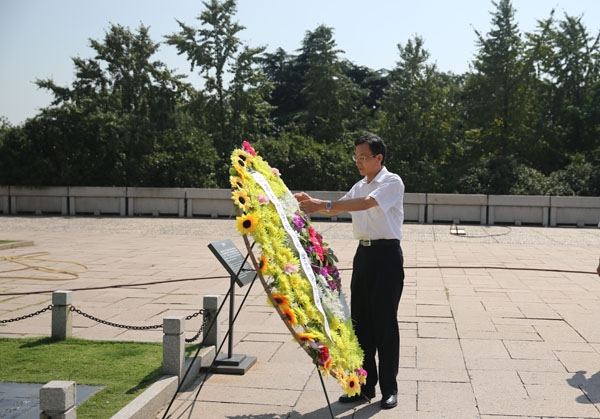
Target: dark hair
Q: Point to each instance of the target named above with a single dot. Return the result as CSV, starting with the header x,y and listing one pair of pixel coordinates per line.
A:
x,y
375,143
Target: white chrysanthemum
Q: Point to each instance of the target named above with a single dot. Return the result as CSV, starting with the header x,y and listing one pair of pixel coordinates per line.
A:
x,y
289,203
331,300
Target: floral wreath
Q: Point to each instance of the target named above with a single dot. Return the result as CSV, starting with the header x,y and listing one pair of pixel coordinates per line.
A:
x,y
296,268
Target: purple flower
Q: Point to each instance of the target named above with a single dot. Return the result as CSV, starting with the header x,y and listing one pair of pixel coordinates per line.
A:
x,y
298,222
333,271
311,249
333,285
318,270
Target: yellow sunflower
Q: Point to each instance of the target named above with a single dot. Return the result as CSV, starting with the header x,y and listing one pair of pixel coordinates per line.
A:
x,y
262,263
290,316
305,337
352,386
236,182
280,300
247,223
241,199
241,161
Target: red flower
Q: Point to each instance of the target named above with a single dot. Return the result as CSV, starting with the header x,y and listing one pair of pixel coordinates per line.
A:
x,y
319,251
248,148
324,355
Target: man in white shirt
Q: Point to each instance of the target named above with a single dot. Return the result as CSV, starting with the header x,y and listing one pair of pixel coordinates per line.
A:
x,y
376,204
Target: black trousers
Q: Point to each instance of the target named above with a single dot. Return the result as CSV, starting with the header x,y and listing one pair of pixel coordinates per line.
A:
x,y
377,283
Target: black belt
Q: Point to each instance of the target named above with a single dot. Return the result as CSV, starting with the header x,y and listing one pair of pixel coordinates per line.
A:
x,y
379,242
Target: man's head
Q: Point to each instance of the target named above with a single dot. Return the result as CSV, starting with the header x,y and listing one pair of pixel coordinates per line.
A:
x,y
369,155
375,143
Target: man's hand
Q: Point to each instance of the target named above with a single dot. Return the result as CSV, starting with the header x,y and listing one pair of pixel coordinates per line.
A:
x,y
301,196
312,205
309,205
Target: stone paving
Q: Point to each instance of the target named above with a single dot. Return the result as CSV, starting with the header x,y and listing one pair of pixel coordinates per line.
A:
x,y
477,340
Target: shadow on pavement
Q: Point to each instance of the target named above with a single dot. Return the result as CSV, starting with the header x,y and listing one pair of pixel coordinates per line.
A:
x,y
590,386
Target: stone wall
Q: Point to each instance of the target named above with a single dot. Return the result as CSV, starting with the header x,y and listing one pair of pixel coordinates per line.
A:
x,y
190,202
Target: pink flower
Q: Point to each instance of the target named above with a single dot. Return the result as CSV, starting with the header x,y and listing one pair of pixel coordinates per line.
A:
x,y
362,376
275,171
290,269
262,199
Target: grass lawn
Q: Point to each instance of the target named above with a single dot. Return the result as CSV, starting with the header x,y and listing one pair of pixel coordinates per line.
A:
x,y
125,368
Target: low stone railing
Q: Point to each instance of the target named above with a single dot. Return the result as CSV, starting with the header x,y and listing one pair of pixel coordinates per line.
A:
x,y
190,202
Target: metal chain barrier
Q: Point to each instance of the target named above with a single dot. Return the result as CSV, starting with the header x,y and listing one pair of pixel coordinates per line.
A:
x,y
202,311
27,316
204,323
122,326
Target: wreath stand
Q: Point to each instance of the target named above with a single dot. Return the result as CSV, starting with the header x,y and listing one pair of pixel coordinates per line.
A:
x,y
267,288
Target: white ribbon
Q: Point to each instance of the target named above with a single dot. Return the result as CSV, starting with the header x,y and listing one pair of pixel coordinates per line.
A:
x,y
304,261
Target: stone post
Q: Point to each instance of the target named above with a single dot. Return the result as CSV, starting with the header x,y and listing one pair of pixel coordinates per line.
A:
x,y
62,317
190,208
482,215
429,213
71,205
421,213
57,400
122,207
173,345
4,204
211,304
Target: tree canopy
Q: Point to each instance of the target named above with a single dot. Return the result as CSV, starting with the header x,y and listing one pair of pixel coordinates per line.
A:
x,y
525,119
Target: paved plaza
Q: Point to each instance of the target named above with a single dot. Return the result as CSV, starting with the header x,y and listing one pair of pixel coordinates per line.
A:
x,y
503,322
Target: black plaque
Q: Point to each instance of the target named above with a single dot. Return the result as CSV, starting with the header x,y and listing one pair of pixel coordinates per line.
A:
x,y
231,258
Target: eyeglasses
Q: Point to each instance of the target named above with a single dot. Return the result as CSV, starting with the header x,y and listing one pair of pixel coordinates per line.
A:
x,y
363,158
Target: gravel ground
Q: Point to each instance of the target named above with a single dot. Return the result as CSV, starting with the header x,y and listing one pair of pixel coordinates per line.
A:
x,y
206,227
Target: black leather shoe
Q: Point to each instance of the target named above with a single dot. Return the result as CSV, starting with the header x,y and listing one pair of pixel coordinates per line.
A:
x,y
364,396
387,402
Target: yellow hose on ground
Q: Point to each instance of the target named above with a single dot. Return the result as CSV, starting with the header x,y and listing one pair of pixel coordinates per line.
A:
x,y
26,260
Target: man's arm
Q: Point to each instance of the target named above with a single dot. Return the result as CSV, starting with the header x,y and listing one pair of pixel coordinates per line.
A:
x,y
312,205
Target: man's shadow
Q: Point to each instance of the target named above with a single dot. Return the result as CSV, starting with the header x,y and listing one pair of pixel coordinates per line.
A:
x,y
590,386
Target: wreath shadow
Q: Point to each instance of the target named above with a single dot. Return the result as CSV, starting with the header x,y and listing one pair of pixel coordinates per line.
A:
x,y
340,411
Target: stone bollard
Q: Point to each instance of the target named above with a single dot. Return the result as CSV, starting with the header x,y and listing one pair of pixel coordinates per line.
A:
x,y
211,304
62,317
57,400
174,345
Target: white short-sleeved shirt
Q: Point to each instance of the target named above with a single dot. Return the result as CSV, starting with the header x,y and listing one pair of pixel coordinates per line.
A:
x,y
383,221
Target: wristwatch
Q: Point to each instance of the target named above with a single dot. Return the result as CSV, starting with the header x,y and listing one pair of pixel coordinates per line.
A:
x,y
327,205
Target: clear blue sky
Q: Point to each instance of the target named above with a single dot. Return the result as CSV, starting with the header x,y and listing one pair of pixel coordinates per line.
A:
x,y
38,37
